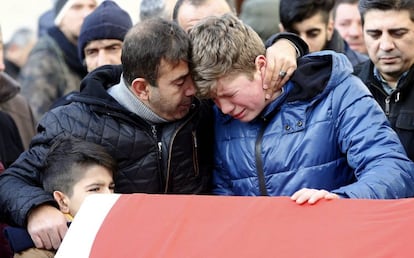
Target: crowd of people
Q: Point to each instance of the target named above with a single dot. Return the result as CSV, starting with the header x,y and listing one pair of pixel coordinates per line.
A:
x,y
200,97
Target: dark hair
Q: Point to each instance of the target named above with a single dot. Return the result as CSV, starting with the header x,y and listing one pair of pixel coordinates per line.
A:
x,y
338,2
149,42
67,160
386,5
294,11
179,3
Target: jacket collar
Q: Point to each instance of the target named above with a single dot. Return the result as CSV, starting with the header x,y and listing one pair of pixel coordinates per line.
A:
x,y
8,87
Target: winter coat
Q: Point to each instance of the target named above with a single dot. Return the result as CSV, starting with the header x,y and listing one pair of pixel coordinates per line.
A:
x,y
47,75
14,104
398,107
324,132
184,167
10,142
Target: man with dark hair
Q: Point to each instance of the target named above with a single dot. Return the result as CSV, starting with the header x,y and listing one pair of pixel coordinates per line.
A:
x,y
388,27
145,115
312,20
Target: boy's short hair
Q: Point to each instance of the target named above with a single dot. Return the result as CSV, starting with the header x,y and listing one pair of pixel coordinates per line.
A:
x,y
222,46
67,161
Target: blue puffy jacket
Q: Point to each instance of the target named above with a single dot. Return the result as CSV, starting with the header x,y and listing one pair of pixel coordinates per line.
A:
x,y
324,132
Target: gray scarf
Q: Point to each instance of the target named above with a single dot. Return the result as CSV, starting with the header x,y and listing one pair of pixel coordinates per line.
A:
x,y
128,100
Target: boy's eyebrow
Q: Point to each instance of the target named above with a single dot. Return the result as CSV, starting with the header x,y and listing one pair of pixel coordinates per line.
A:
x,y
99,183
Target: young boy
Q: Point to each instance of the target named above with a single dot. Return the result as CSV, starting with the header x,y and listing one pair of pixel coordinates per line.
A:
x,y
73,170
321,136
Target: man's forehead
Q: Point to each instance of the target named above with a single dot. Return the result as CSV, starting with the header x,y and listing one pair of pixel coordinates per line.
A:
x,y
173,70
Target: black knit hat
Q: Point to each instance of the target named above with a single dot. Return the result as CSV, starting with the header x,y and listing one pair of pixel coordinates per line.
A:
x,y
107,21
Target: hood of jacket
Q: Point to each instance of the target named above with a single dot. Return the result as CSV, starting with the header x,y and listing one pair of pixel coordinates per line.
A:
x,y
93,88
317,74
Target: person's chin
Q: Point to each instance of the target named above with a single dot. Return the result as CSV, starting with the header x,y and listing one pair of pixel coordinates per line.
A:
x,y
246,117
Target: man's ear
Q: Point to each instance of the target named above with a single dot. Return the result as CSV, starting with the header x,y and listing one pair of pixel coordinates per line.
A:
x,y
140,87
281,28
330,28
62,200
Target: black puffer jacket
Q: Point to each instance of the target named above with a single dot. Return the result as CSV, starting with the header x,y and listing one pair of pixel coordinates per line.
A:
x,y
94,115
398,107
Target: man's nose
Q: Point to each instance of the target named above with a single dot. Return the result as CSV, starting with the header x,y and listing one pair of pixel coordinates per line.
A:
x,y
386,43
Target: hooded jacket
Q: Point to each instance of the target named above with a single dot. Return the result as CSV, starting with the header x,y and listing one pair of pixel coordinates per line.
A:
x,y
183,167
324,132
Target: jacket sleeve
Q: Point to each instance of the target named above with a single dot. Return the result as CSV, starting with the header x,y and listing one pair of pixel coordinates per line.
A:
x,y
221,183
301,46
20,184
381,167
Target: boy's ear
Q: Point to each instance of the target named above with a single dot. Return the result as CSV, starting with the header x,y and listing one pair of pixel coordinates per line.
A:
x,y
140,87
281,28
62,200
260,63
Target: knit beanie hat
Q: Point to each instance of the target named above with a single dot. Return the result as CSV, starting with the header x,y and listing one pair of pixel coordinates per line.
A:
x,y
60,8
107,21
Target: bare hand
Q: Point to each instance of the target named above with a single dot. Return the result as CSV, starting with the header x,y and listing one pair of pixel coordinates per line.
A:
x,y
47,227
281,59
312,195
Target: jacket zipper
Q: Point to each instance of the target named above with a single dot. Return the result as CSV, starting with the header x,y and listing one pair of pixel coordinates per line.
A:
x,y
387,105
159,154
195,153
259,163
387,100
167,181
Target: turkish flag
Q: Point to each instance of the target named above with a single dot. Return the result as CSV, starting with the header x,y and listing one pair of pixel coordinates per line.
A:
x,y
144,225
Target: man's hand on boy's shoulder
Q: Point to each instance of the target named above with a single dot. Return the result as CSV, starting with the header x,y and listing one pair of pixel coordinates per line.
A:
x,y
281,63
